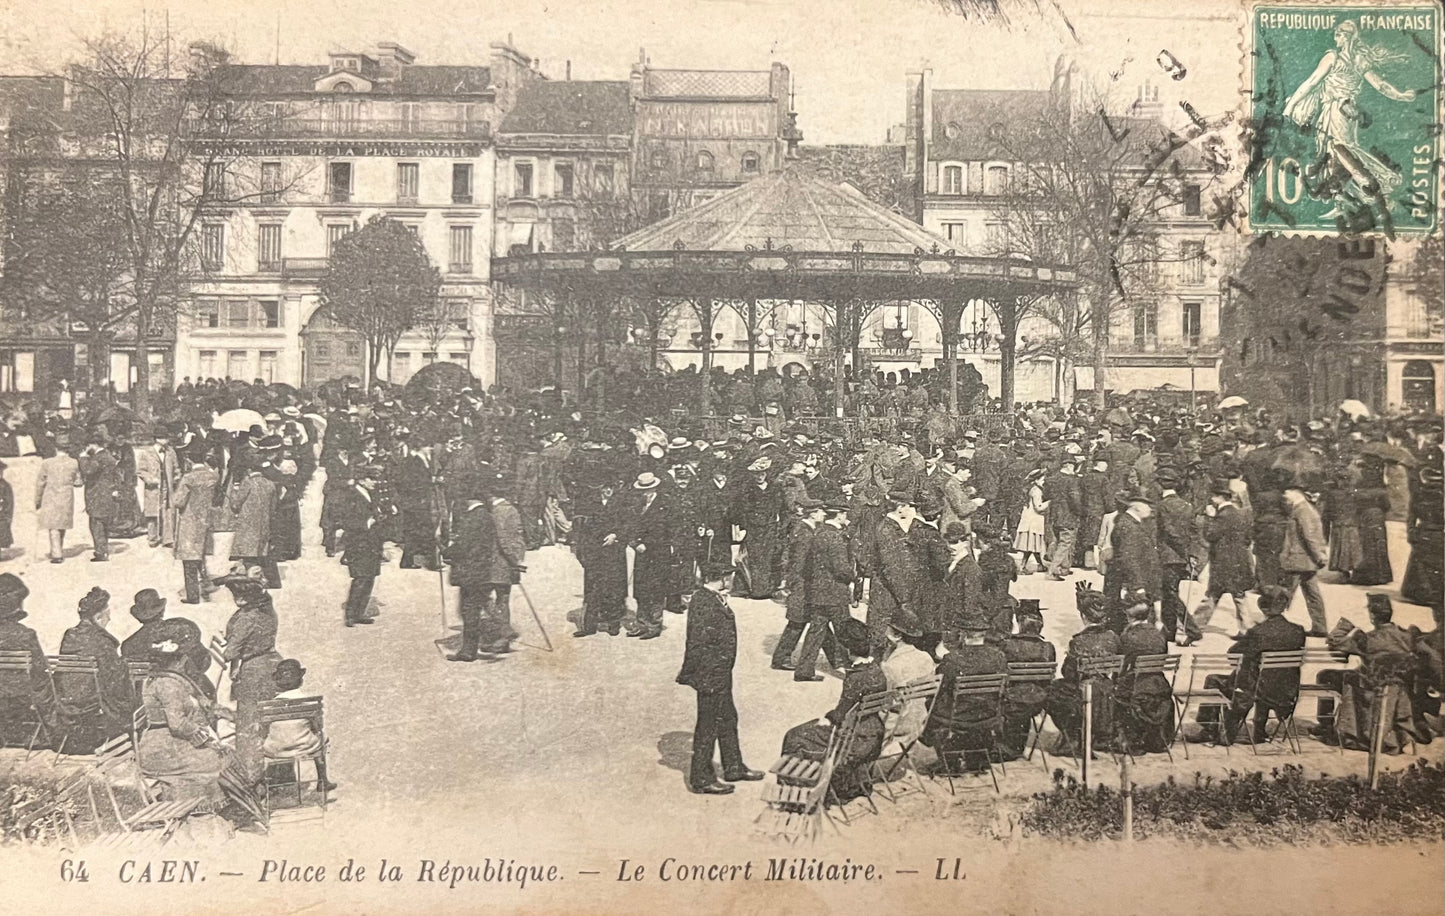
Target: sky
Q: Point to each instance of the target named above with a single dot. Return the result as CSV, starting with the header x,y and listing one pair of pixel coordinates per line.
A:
x,y
849,58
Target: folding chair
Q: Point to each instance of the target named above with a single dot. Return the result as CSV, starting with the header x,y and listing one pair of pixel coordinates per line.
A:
x,y
1277,660
1033,673
18,667
308,708
217,648
138,672
924,689
119,759
872,704
73,670
1201,665
1095,668
1166,664
794,808
982,688
1327,658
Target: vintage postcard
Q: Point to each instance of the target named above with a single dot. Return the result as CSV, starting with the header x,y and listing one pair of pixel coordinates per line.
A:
x,y
721,457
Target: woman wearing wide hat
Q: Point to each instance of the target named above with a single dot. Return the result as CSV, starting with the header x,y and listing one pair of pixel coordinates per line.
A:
x,y
251,655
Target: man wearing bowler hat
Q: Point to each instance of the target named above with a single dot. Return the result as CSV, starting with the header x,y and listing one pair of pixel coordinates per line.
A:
x,y
149,609
707,667
1134,564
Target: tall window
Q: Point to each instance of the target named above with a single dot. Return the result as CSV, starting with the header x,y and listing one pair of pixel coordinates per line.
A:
x,y
466,118
213,185
268,246
1146,326
957,233
562,185
1191,254
459,252
461,182
1190,313
268,313
1191,200
213,246
952,179
522,180
751,164
704,161
602,176
270,182
339,182
238,364
335,232
410,113
408,182
208,314
658,159
207,366
995,180
267,371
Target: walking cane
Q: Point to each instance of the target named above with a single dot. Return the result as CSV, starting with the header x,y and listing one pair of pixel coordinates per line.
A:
x,y
533,608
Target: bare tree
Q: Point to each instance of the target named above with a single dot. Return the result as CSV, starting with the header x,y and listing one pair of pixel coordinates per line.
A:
x,y
1090,190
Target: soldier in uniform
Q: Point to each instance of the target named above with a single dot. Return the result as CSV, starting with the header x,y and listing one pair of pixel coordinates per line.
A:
x,y
707,667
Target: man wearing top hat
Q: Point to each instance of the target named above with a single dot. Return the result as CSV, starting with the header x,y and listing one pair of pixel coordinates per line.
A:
x,y
1023,701
87,720
360,517
149,610
17,697
897,575
649,532
707,667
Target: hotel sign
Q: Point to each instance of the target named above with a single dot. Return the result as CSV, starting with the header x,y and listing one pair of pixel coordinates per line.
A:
x,y
394,149
712,120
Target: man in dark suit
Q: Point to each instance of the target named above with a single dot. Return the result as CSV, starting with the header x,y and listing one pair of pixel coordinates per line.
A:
x,y
1276,690
829,573
650,531
1229,532
360,519
759,508
18,694
1135,562
1094,504
707,667
596,531
412,482
1061,490
897,573
997,573
101,472
1176,531
1143,701
962,728
798,605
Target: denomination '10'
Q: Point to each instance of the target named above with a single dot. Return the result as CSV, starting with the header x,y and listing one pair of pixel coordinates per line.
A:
x,y
1277,178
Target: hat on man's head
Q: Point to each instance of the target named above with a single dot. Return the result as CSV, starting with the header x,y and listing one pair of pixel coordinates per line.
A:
x,y
1273,600
1029,607
1167,477
148,605
761,464
1379,605
955,531
901,496
717,570
288,671
854,636
13,592
269,443
1220,487
95,601
646,481
905,627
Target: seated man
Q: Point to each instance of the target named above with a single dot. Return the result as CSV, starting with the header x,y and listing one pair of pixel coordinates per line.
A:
x,y
1274,691
1066,703
1023,701
149,609
1429,674
291,738
1144,701
961,730
87,719
1387,655
810,739
19,695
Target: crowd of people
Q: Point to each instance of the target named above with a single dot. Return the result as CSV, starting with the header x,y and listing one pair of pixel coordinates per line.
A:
x,y
924,518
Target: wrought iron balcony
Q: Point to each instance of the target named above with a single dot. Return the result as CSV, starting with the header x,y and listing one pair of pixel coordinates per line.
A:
x,y
303,267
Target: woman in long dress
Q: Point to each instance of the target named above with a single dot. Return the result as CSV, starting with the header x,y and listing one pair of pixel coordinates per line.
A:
x,y
1328,102
1029,536
1372,501
55,497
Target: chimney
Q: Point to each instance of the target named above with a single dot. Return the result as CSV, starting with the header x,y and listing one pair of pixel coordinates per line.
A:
x,y
392,58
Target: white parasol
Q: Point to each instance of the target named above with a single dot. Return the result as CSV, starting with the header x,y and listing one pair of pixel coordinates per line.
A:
x,y
1354,409
1232,402
239,420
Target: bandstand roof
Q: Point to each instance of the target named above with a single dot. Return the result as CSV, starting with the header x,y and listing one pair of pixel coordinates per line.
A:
x,y
784,235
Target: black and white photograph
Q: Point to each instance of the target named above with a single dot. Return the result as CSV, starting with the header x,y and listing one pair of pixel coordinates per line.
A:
x,y
722,457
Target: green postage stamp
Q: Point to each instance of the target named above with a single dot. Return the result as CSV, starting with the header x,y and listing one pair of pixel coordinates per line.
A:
x,y
1345,105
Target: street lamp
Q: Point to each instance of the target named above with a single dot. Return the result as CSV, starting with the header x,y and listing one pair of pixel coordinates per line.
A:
x,y
1193,359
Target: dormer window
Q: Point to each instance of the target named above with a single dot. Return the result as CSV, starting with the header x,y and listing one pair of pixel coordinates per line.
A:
x,y
346,63
953,180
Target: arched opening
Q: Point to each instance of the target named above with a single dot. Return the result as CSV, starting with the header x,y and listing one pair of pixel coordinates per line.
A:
x,y
1417,385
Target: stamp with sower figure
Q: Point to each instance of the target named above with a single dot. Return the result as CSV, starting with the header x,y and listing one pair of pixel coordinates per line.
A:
x,y
1345,111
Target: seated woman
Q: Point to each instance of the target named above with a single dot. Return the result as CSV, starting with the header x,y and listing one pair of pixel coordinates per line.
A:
x,y
1144,701
287,739
1066,703
181,749
961,730
1387,659
810,739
